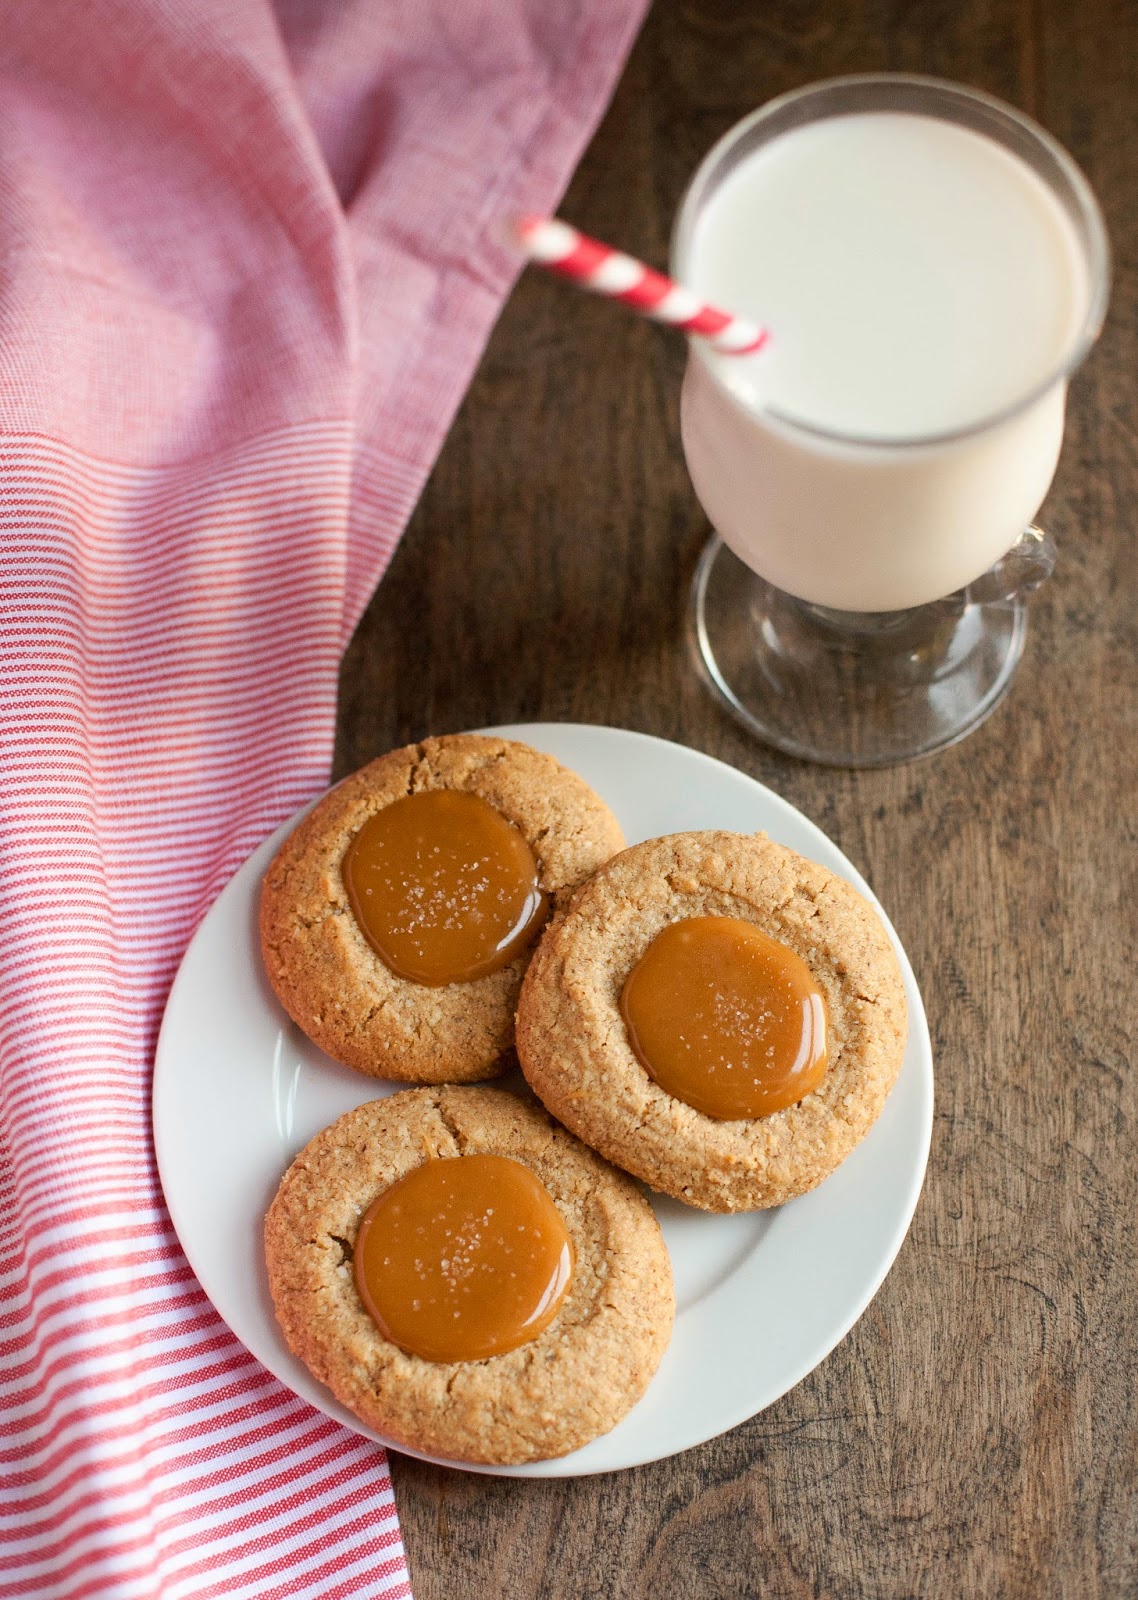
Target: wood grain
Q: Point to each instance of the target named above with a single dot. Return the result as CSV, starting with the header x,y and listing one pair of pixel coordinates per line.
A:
x,y
975,1434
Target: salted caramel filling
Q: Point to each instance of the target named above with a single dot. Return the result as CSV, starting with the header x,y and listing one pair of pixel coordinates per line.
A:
x,y
726,1018
444,888
463,1258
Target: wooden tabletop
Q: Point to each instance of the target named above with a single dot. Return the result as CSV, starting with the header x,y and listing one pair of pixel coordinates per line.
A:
x,y
975,1434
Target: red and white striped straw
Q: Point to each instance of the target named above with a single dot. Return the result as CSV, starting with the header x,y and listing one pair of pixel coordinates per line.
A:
x,y
554,244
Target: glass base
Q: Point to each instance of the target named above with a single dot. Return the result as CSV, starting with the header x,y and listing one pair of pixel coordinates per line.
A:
x,y
849,689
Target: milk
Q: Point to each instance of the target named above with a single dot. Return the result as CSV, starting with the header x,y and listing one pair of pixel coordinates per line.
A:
x,y
921,283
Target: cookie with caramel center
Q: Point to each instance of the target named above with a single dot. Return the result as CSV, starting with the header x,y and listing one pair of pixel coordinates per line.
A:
x,y
827,1079
586,1365
482,838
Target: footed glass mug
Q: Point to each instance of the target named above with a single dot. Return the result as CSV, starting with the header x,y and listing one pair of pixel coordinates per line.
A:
x,y
862,600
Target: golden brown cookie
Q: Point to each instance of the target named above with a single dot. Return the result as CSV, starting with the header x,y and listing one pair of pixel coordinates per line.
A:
x,y
575,1051
574,1381
329,978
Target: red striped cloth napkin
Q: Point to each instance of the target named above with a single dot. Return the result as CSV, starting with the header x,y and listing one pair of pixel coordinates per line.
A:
x,y
249,258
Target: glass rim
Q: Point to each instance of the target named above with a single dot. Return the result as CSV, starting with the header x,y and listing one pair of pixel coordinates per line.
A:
x,y
1097,248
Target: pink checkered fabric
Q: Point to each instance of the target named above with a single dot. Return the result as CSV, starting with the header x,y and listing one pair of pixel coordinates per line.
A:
x,y
249,259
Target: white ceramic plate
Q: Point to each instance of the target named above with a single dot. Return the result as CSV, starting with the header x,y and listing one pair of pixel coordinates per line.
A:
x,y
761,1298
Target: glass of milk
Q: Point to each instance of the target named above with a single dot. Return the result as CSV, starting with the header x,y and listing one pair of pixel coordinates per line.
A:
x,y
932,267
